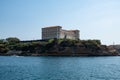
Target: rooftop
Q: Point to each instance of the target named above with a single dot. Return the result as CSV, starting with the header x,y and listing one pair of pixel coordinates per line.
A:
x,y
53,27
73,30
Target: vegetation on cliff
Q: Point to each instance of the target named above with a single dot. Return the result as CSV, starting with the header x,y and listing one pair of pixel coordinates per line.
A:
x,y
13,45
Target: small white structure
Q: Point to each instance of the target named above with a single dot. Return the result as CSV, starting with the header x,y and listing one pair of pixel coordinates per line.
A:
x,y
58,33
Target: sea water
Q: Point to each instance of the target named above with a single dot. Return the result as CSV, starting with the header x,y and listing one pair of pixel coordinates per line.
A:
x,y
59,68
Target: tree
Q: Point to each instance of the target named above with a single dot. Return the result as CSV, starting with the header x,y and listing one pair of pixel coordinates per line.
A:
x,y
3,48
13,40
1,40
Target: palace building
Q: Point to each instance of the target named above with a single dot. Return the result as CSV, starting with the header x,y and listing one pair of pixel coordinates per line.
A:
x,y
58,33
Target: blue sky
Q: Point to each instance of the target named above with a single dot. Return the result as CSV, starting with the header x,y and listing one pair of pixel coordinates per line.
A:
x,y
96,19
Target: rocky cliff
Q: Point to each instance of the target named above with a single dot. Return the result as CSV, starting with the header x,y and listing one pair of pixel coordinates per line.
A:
x,y
58,47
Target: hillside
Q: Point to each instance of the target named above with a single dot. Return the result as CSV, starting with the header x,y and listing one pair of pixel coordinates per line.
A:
x,y
55,47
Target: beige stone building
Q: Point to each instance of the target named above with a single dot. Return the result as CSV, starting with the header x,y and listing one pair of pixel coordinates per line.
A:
x,y
57,32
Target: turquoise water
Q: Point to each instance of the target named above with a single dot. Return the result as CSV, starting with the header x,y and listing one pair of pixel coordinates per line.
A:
x,y
59,68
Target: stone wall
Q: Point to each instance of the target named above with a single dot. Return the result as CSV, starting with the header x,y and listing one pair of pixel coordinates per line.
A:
x,y
58,33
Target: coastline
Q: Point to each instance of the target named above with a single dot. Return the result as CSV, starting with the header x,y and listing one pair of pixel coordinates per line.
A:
x,y
54,54
58,47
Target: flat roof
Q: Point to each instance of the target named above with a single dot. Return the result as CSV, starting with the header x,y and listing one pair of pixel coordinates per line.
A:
x,y
69,30
53,27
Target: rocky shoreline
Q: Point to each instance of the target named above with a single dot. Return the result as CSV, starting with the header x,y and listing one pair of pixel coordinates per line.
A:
x,y
20,53
56,47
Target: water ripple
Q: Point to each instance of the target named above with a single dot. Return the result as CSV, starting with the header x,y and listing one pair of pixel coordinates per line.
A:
x,y
59,68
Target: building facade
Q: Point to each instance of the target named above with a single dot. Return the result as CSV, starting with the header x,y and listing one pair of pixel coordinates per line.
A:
x,y
57,32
